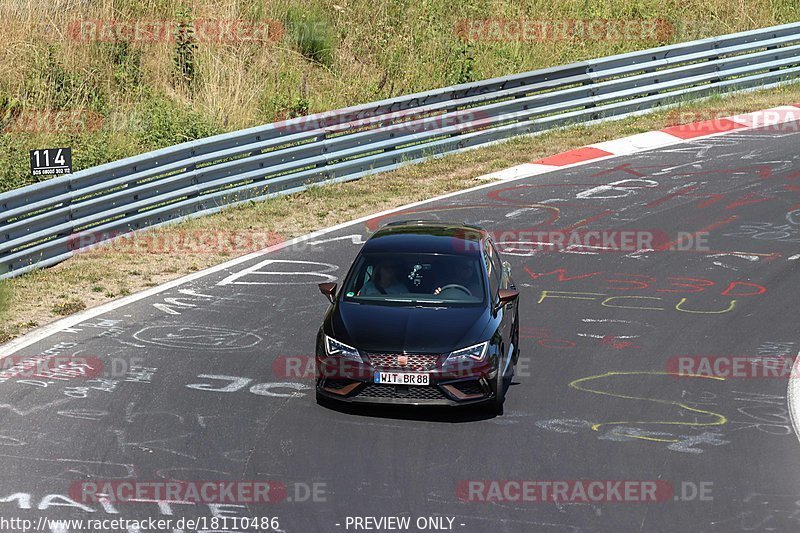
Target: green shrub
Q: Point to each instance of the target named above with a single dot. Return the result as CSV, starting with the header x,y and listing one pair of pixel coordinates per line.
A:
x,y
53,86
312,34
283,108
463,64
127,65
185,47
159,122
10,109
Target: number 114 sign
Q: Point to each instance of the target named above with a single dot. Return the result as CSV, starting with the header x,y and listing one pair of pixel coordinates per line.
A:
x,y
51,162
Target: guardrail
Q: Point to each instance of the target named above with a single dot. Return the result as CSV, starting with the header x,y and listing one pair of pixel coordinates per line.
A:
x,y
41,224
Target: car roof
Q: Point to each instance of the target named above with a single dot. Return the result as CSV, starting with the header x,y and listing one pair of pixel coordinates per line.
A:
x,y
427,236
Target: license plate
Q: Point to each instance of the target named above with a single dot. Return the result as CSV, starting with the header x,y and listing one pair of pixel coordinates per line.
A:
x,y
402,378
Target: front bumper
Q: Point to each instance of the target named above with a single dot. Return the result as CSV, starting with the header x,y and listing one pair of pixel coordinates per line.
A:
x,y
354,383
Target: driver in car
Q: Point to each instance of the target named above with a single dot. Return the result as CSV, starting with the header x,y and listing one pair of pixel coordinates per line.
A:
x,y
462,275
384,281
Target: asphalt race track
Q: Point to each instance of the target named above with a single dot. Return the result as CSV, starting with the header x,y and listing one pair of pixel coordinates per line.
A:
x,y
205,384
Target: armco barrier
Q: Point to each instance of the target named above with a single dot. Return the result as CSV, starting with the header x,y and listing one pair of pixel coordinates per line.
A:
x,y
39,222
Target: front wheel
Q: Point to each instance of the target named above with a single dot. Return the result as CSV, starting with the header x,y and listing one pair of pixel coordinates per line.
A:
x,y
495,406
321,400
515,341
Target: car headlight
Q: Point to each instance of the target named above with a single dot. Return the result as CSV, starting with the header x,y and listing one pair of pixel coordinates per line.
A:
x,y
476,352
340,349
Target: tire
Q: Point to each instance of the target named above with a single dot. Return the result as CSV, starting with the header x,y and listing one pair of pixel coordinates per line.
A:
x,y
495,406
516,343
321,400
516,357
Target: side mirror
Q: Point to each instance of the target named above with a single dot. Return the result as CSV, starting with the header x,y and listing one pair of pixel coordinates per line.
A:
x,y
328,289
506,296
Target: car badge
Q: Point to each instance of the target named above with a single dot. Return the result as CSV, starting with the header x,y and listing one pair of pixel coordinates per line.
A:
x,y
402,360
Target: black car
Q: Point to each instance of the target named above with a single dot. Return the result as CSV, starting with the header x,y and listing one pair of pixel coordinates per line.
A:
x,y
427,315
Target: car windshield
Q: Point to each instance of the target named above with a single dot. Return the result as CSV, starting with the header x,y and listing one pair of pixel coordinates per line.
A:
x,y
416,279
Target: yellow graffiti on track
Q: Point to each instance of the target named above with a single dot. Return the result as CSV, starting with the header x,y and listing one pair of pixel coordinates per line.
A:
x,y
717,419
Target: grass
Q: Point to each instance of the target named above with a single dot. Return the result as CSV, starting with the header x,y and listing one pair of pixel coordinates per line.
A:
x,y
68,307
90,279
331,54
5,299
312,34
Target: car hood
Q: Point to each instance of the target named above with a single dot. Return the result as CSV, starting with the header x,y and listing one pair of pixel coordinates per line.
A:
x,y
383,328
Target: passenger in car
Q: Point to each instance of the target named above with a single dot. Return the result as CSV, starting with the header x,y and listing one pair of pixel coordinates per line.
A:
x,y
384,281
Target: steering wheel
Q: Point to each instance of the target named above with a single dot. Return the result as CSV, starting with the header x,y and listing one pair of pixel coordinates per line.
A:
x,y
455,286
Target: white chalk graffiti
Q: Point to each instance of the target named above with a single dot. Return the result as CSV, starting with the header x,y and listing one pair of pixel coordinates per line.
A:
x,y
109,327
620,189
170,304
793,217
197,337
262,389
677,443
767,231
355,238
304,273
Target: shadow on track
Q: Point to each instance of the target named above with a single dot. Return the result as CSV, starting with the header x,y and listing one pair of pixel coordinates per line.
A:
x,y
422,413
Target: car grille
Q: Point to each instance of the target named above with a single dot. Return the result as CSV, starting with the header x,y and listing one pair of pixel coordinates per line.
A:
x,y
416,362
401,392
